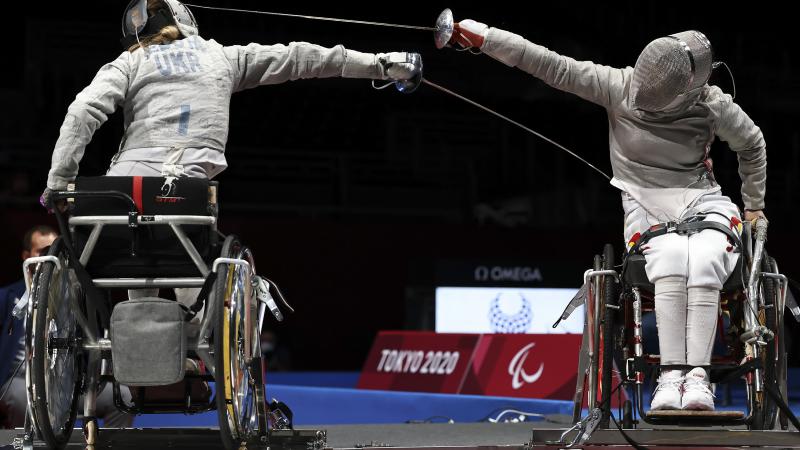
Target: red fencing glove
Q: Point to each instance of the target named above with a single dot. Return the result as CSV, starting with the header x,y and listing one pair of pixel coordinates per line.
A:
x,y
469,34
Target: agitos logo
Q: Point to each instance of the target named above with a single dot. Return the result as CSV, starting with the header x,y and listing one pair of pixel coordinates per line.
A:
x,y
517,370
169,192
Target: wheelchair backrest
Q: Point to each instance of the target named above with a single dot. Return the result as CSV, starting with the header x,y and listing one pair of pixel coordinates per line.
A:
x,y
159,253
152,195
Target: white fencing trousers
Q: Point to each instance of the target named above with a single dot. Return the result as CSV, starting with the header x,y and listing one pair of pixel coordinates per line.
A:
x,y
688,273
701,325
706,258
687,322
155,168
671,307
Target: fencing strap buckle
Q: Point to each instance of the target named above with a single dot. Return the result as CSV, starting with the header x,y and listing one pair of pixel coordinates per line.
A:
x,y
688,231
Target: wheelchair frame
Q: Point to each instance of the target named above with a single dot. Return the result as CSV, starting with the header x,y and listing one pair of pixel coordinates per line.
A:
x,y
97,348
602,278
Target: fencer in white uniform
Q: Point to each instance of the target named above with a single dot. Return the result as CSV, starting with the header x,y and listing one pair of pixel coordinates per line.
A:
x,y
663,118
174,88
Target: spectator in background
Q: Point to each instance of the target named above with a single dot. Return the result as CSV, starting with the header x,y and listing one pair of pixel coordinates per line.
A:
x,y
276,357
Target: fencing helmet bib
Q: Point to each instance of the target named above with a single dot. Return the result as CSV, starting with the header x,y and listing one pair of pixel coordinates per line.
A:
x,y
137,23
670,67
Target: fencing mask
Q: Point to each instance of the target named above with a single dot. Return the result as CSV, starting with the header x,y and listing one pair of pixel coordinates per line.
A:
x,y
137,23
669,68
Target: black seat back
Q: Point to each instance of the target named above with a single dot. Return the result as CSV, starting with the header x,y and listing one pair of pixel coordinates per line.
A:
x,y
159,252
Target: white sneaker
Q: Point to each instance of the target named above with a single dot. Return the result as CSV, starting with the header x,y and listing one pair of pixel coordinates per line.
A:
x,y
697,393
668,392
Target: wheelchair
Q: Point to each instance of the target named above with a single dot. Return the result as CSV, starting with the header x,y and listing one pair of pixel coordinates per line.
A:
x,y
750,324
134,233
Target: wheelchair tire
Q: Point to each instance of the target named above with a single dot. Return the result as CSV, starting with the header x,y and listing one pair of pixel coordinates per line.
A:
x,y
56,373
765,410
610,298
241,404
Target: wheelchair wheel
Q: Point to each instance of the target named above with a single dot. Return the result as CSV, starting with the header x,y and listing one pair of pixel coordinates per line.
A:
x,y
611,300
56,361
241,405
765,410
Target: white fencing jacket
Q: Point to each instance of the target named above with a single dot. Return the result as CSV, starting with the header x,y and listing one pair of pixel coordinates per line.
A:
x,y
178,96
649,150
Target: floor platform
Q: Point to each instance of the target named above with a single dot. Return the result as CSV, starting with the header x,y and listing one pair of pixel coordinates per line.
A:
x,y
455,436
461,435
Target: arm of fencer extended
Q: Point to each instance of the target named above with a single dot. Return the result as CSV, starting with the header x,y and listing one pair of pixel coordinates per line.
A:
x,y
593,82
578,300
255,64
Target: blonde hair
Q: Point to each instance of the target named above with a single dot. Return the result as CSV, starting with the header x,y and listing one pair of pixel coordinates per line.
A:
x,y
165,35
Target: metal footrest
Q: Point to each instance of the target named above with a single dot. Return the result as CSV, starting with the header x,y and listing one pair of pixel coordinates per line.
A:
x,y
298,439
677,413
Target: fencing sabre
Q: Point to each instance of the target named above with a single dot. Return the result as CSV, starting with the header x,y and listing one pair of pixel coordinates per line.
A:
x,y
513,122
442,32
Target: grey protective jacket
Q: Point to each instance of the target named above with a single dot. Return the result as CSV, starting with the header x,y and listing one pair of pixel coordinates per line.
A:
x,y
649,150
178,95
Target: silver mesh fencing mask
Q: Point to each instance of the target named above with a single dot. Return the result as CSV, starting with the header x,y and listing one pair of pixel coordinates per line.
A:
x,y
669,68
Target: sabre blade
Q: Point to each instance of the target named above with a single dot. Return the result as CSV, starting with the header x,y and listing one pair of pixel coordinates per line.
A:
x,y
513,122
328,19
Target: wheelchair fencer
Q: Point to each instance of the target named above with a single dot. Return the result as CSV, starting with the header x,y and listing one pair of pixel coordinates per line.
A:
x,y
752,304
136,233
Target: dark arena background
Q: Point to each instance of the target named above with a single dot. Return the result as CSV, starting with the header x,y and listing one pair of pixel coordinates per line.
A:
x,y
360,202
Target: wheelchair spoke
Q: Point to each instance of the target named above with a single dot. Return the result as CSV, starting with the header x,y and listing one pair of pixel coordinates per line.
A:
x,y
242,399
243,382
59,360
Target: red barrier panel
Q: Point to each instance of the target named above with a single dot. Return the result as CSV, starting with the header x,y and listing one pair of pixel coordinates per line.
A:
x,y
524,365
418,361
511,365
